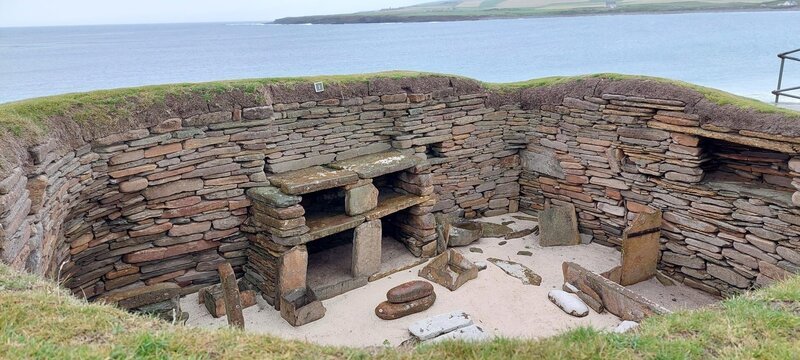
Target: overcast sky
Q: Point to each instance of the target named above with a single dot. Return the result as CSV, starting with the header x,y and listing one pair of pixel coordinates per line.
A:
x,y
92,12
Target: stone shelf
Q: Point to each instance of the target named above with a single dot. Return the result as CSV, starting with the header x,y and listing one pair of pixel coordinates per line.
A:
x,y
374,165
321,225
312,179
392,202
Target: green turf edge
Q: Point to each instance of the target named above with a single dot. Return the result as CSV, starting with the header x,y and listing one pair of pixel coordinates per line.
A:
x,y
40,320
28,118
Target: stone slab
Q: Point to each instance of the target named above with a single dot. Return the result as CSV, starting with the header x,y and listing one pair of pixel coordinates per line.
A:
x,y
440,324
542,161
640,249
312,179
320,226
450,269
470,333
366,259
393,202
374,165
518,271
558,226
272,196
616,299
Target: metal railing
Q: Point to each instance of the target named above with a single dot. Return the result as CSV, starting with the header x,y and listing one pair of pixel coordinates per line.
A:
x,y
783,92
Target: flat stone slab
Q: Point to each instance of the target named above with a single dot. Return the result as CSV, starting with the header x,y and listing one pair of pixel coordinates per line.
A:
x,y
470,333
440,324
393,202
614,297
518,271
272,196
641,249
322,226
374,165
312,179
558,226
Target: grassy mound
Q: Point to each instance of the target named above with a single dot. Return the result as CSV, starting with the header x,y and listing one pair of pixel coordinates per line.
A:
x,y
29,118
40,320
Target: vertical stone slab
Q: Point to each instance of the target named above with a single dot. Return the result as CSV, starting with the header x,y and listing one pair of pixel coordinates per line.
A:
x,y
361,199
558,226
293,270
230,291
640,248
366,259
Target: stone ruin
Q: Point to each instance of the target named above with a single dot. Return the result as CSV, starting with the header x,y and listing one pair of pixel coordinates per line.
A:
x,y
308,195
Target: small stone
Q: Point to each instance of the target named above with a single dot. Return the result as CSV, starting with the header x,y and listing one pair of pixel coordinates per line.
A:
x,y
482,265
626,326
409,291
464,233
502,243
391,311
570,303
476,250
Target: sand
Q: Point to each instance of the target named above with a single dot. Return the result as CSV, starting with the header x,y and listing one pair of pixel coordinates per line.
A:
x,y
500,304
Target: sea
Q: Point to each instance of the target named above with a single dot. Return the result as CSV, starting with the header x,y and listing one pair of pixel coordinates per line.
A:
x,y
732,51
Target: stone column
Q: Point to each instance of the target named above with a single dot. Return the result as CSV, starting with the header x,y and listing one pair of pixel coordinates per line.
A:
x,y
293,269
366,259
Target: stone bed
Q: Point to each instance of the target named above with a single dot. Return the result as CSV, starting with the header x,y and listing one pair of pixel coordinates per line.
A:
x,y
142,209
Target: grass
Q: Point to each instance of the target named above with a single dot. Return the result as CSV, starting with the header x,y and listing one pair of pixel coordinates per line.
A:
x,y
29,118
38,320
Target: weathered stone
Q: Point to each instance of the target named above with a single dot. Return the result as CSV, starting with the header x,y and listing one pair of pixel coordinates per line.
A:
x,y
172,188
450,269
312,179
366,258
133,185
570,303
542,161
374,165
359,200
727,275
272,196
463,233
300,307
440,324
640,249
558,226
392,311
615,298
409,291
518,271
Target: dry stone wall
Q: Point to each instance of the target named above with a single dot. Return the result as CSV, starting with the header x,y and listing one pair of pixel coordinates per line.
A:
x,y
163,201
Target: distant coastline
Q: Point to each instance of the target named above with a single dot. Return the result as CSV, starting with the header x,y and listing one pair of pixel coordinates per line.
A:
x,y
380,17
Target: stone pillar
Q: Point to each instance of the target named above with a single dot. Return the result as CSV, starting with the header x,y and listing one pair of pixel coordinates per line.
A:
x,y
366,259
292,270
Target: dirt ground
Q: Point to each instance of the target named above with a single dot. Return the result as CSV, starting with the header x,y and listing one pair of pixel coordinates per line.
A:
x,y
497,302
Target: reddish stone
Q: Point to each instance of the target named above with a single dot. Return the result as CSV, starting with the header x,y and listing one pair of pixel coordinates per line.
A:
x,y
132,171
133,185
190,228
152,230
409,291
390,311
163,150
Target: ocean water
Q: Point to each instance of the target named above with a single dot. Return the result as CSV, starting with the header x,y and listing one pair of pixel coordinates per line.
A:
x,y
735,52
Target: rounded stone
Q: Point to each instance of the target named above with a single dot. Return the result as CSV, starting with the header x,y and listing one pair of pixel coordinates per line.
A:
x,y
390,311
409,291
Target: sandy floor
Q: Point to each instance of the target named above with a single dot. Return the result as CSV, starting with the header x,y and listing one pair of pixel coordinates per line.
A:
x,y
497,302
